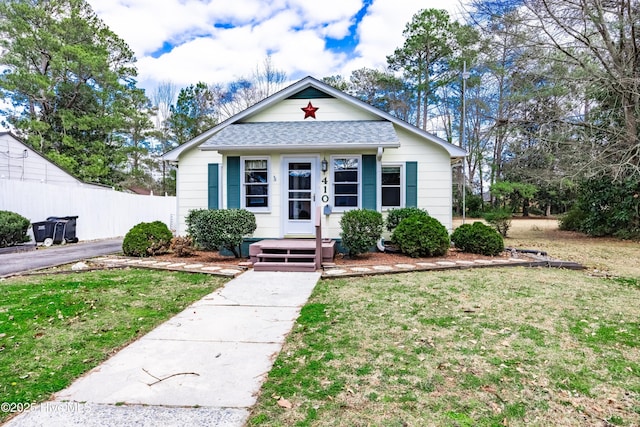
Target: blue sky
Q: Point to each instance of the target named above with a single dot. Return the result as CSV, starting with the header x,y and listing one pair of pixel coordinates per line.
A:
x,y
217,41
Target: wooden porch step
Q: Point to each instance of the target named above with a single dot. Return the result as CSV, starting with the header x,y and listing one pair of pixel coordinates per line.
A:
x,y
284,266
264,255
290,248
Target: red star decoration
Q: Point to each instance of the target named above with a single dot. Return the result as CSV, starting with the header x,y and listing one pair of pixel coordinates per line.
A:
x,y
310,110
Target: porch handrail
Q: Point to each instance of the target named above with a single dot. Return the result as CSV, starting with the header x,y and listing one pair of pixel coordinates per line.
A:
x,y
318,238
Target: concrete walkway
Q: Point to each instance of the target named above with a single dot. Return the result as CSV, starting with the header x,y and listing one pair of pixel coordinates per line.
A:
x,y
203,367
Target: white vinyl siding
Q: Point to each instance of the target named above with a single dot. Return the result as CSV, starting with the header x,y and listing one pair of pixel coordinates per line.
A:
x,y
328,109
192,183
434,174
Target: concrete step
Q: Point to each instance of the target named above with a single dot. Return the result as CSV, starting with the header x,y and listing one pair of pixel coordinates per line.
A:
x,y
284,266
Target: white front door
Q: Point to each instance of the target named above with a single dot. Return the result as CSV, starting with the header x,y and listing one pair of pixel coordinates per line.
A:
x,y
299,196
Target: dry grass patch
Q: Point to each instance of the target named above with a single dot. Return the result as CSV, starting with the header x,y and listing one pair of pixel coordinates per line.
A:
x,y
606,255
485,347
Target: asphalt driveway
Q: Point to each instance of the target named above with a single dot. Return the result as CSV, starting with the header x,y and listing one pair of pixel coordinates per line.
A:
x,y
17,261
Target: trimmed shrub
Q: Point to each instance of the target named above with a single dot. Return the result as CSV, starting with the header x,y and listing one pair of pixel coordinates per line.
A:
x,y
361,229
215,229
394,216
500,219
182,246
421,235
478,238
147,239
13,229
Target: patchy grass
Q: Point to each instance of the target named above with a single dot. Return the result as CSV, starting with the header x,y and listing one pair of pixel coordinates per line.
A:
x,y
53,328
485,347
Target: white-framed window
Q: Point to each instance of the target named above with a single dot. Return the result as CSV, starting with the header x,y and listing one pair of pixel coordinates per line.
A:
x,y
392,185
255,183
346,173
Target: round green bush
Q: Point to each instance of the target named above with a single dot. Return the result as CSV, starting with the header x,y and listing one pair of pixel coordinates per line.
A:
x,y
361,229
215,229
13,229
478,238
394,216
147,239
421,235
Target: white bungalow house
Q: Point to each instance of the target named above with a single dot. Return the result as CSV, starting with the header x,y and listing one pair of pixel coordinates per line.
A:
x,y
307,154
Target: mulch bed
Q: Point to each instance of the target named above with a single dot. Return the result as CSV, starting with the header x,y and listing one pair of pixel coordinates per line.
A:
x,y
371,258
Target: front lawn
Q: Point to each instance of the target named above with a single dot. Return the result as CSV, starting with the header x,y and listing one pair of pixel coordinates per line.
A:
x,y
476,347
486,347
53,328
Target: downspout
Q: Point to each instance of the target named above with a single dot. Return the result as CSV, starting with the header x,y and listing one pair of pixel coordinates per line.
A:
x,y
380,242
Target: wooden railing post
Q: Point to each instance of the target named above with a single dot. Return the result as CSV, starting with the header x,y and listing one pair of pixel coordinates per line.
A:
x,y
318,238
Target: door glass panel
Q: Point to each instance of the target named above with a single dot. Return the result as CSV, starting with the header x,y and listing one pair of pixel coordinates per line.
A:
x,y
299,209
299,195
299,180
299,199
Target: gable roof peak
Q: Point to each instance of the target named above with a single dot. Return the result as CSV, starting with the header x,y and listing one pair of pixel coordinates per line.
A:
x,y
323,88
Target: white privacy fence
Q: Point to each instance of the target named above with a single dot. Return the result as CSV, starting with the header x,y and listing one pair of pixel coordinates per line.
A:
x,y
102,213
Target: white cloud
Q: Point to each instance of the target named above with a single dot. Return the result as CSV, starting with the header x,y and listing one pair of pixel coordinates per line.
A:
x,y
146,24
336,15
380,31
293,31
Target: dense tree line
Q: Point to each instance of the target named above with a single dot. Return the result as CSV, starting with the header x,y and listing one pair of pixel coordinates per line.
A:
x,y
72,89
552,95
549,102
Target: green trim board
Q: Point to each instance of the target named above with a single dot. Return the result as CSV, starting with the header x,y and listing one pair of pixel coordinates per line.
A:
x,y
233,182
369,182
213,186
411,190
310,93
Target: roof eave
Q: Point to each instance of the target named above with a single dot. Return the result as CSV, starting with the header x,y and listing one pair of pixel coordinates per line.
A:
x,y
310,147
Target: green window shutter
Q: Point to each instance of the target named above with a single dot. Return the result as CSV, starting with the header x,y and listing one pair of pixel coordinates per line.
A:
x,y
213,186
369,182
233,182
411,191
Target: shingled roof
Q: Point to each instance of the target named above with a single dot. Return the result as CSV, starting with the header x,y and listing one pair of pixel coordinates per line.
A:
x,y
208,141
304,134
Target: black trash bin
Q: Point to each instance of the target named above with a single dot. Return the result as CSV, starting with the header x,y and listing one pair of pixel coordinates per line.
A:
x,y
64,230
55,230
43,232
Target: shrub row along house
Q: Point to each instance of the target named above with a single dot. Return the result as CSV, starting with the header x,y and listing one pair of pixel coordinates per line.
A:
x,y
310,153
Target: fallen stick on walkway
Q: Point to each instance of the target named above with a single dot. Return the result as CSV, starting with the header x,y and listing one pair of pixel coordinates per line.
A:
x,y
167,377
